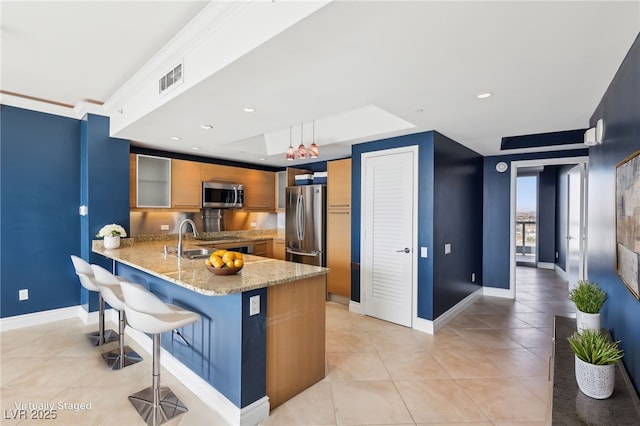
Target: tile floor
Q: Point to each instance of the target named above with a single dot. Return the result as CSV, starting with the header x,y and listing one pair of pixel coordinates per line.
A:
x,y
486,367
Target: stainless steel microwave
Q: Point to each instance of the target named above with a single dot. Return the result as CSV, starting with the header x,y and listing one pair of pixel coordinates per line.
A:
x,y
220,195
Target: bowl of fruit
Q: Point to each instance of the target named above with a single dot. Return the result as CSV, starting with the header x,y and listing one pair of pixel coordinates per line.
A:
x,y
224,262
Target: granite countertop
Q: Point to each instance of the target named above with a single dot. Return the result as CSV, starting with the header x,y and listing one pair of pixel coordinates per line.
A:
x,y
572,407
258,272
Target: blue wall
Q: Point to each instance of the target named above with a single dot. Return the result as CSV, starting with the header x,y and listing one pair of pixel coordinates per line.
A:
x,y
40,187
449,186
457,217
620,109
546,215
497,193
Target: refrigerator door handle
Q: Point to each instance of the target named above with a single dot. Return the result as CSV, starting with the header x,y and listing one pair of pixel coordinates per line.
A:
x,y
302,217
235,197
301,253
298,218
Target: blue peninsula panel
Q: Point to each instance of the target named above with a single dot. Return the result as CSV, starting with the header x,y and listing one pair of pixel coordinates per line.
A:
x,y
227,347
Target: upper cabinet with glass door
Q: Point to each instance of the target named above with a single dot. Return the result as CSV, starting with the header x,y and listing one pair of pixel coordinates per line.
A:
x,y
153,183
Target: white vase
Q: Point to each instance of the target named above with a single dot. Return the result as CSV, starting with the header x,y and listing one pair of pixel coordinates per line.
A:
x,y
111,242
585,321
595,381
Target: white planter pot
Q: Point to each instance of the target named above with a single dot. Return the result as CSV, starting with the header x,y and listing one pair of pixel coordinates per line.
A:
x,y
111,242
595,381
585,320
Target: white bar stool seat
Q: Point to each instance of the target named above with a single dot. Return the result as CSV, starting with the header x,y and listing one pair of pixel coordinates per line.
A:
x,y
112,293
88,281
147,313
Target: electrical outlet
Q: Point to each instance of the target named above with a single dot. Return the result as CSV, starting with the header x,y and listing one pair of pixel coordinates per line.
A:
x,y
253,224
473,277
23,294
254,305
556,255
164,227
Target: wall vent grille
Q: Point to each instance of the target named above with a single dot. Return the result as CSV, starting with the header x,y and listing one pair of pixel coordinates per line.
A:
x,y
170,79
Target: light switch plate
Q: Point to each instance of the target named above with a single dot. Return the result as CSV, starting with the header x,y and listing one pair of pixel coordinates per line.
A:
x,y
447,248
423,252
23,294
254,305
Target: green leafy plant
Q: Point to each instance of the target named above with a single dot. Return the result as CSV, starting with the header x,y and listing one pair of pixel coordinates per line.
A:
x,y
588,297
593,347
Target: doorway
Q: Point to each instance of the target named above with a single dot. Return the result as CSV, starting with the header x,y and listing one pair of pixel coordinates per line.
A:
x,y
520,166
526,219
388,238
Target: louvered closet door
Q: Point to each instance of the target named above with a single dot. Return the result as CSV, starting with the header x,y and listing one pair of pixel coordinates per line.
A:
x,y
387,267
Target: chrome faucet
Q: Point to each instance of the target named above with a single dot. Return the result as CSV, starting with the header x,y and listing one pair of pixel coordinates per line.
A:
x,y
195,234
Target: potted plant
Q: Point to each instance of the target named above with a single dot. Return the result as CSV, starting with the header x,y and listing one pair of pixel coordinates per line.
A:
x,y
111,234
596,358
589,299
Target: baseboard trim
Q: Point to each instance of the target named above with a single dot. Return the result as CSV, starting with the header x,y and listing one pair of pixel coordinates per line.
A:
x,y
355,307
337,298
505,293
423,325
561,272
38,318
456,310
252,414
546,265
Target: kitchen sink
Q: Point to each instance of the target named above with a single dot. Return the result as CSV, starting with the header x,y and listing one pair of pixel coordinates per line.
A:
x,y
200,253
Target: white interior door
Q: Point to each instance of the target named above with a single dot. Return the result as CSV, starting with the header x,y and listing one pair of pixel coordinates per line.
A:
x,y
575,226
388,213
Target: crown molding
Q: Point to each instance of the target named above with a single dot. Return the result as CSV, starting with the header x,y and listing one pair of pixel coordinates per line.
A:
x,y
49,107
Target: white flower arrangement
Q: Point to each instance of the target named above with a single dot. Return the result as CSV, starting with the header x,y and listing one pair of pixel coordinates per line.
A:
x,y
112,230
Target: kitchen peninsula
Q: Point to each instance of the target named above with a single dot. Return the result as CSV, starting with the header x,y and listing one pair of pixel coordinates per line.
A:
x,y
256,361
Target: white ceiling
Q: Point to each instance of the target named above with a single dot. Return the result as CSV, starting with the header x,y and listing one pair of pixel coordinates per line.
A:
x,y
414,66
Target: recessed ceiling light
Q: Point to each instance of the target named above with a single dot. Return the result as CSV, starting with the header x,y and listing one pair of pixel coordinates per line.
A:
x,y
195,148
176,138
483,95
206,126
262,159
249,109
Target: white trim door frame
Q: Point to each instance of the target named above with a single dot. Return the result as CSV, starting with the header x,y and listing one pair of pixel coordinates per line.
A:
x,y
512,215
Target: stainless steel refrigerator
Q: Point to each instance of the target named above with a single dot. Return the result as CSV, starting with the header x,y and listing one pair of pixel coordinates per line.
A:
x,y
305,238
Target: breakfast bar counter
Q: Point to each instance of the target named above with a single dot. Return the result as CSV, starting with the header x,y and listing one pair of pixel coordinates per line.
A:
x,y
258,272
261,337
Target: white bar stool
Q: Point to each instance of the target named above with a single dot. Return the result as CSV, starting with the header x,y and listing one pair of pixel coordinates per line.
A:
x,y
88,281
148,314
111,292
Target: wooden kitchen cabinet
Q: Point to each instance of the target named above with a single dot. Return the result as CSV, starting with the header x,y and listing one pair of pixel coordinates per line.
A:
x,y
186,186
133,180
218,172
339,184
277,249
260,248
339,227
259,190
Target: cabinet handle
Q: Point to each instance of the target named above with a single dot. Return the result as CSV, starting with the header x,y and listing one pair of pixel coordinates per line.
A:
x,y
339,212
339,205
187,205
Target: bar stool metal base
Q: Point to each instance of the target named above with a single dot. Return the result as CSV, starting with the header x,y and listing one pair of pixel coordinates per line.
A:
x,y
170,406
109,336
112,358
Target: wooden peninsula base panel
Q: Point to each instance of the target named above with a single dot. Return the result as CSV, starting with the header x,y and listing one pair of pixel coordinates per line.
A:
x,y
295,337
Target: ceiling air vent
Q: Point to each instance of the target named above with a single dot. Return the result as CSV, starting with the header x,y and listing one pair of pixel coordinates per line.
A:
x,y
170,79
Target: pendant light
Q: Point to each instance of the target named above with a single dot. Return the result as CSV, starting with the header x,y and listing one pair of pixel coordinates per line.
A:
x,y
290,152
314,152
302,151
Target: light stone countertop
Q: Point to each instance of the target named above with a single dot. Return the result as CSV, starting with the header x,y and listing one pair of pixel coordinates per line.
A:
x,y
258,272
